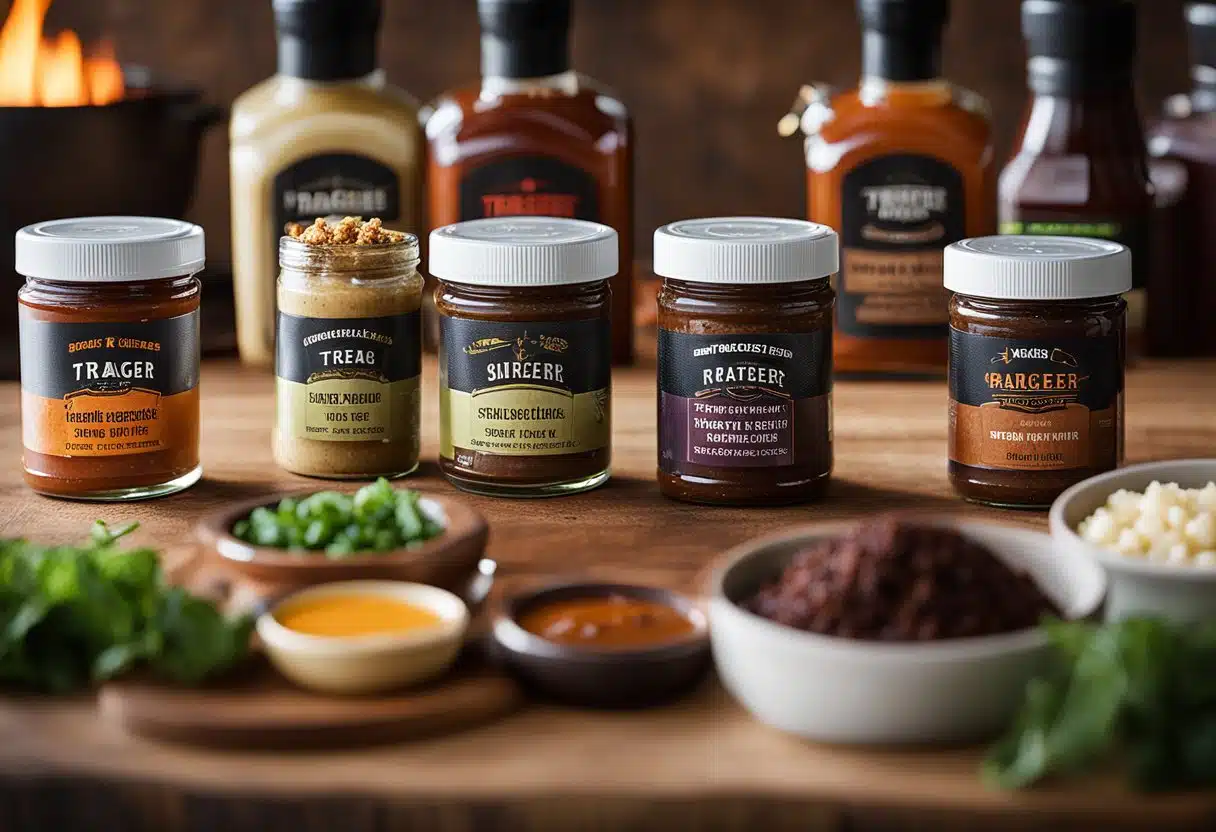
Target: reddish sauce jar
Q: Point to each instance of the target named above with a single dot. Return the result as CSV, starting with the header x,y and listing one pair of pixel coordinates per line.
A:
x,y
109,328
745,359
1038,340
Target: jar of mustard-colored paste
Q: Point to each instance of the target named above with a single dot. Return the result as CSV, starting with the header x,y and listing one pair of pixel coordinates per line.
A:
x,y
348,351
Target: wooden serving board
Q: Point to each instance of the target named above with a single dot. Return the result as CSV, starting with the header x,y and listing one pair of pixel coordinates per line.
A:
x,y
261,710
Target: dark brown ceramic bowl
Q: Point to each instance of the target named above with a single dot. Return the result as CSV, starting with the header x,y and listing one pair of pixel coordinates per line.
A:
x,y
601,678
448,561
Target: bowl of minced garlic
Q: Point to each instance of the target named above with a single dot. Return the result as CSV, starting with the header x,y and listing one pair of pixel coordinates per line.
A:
x,y
1153,528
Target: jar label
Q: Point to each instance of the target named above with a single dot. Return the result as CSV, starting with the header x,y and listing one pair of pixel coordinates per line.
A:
x,y
523,388
108,389
529,185
1036,405
898,213
349,379
745,400
335,184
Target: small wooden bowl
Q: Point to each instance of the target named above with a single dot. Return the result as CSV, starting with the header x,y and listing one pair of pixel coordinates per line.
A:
x,y
630,678
447,561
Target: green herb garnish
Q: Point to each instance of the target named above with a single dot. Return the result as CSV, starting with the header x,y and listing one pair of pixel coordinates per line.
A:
x,y
71,616
376,518
1142,689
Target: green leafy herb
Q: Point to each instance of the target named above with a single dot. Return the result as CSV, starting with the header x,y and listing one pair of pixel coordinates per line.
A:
x,y
376,518
72,616
1143,690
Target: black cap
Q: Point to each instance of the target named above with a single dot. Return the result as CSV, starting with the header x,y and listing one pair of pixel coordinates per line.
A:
x,y
901,39
1074,45
524,38
327,40
1201,33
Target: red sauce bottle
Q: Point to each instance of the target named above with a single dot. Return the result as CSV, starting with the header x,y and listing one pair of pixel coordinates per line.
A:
x,y
1187,134
534,137
1080,166
901,167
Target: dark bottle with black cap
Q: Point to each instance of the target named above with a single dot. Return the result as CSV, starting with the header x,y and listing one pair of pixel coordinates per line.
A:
x,y
1080,166
535,137
1187,134
901,167
326,135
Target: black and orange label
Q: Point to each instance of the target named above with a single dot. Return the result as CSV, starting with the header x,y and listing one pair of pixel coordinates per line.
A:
x,y
106,389
1036,405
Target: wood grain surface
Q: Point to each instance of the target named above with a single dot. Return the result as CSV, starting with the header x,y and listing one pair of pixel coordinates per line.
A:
x,y
699,764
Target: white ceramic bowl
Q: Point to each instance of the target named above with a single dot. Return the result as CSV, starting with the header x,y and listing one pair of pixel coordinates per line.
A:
x,y
841,690
367,664
1179,592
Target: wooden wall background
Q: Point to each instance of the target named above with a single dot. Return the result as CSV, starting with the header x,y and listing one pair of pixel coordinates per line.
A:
x,y
706,80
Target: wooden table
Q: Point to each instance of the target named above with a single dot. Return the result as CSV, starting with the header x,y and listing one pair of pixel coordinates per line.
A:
x,y
700,764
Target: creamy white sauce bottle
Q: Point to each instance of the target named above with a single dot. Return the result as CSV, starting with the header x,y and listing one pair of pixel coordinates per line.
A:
x,y
326,135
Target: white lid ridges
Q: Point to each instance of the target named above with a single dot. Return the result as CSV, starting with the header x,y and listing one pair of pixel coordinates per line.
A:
x,y
742,250
110,249
1017,267
523,251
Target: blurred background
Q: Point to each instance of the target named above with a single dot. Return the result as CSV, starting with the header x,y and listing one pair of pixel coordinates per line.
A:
x,y
706,80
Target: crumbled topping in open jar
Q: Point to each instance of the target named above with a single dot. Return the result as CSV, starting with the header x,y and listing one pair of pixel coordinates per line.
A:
x,y
346,232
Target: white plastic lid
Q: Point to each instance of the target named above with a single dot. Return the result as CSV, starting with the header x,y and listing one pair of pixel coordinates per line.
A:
x,y
523,251
1015,267
110,249
745,250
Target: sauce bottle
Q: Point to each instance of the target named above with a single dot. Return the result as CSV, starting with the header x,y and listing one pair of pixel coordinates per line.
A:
x,y
1080,166
1187,134
535,137
901,167
325,135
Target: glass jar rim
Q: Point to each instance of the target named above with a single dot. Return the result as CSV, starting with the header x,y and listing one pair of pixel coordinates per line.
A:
x,y
294,254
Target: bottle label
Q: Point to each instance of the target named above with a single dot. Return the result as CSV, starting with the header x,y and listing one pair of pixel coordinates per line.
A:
x,y
335,184
1133,233
529,185
523,388
1036,405
108,389
349,379
898,213
745,400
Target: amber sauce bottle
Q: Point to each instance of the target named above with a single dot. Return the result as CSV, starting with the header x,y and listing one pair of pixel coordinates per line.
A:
x,y
901,167
1187,134
534,137
1080,165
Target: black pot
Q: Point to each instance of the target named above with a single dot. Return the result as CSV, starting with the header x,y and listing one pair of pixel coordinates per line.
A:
x,y
138,156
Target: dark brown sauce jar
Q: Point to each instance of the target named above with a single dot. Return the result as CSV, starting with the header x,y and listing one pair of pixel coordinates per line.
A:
x,y
525,354
109,320
745,359
1038,340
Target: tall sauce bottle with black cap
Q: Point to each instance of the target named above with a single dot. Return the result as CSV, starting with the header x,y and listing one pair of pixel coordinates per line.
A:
x,y
1187,134
901,166
1080,164
535,137
326,135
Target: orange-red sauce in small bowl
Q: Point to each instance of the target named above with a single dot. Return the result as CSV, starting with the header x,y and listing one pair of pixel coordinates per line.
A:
x,y
609,622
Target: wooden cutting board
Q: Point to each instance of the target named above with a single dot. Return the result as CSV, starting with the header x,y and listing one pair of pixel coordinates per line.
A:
x,y
259,709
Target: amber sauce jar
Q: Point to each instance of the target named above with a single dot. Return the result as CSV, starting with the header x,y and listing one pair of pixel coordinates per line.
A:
x,y
1038,334
109,327
745,359
525,354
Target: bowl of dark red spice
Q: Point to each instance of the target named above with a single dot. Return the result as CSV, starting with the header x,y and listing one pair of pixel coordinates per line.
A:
x,y
604,645
892,631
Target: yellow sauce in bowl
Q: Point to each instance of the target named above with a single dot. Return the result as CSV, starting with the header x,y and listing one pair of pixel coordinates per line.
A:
x,y
355,615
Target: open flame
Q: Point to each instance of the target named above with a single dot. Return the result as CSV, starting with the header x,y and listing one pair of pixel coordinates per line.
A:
x,y
52,72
